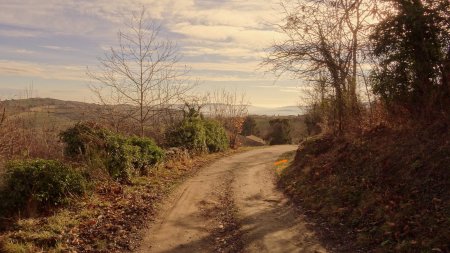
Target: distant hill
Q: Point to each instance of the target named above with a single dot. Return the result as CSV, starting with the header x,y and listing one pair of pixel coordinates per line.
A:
x,y
277,111
59,114
48,112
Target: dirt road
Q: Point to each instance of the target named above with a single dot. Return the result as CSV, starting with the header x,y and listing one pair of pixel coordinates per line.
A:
x,y
196,218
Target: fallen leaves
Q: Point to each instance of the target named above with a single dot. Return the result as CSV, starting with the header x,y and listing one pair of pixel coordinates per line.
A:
x,y
110,219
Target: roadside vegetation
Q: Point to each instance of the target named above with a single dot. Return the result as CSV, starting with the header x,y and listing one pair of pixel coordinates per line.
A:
x,y
371,171
72,182
101,192
293,128
374,173
79,177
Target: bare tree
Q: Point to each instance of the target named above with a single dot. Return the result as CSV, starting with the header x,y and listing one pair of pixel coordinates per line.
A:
x,y
143,72
113,110
325,42
29,91
194,105
230,109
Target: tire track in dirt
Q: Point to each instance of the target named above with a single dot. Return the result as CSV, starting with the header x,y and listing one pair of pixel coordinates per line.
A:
x,y
269,222
231,206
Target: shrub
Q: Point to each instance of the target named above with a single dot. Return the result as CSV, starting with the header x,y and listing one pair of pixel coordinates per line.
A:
x,y
280,132
82,137
199,135
190,134
118,158
216,137
149,153
128,156
45,183
121,156
249,127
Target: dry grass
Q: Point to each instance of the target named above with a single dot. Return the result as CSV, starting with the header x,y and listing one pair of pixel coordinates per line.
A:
x,y
386,190
109,219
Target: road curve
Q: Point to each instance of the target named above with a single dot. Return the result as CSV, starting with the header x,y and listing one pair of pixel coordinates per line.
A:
x,y
268,222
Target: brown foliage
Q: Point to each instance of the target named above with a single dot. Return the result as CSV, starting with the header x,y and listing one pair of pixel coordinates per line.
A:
x,y
23,137
386,190
230,109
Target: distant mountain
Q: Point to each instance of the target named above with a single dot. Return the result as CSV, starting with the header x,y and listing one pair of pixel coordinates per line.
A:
x,y
79,110
277,111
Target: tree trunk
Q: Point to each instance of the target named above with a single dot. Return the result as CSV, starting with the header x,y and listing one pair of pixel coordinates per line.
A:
x,y
340,109
445,93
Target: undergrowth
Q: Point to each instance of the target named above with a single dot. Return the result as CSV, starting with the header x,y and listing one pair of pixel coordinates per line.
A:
x,y
31,187
107,220
385,191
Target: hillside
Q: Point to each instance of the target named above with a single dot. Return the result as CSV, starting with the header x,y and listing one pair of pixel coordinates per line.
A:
x,y
55,112
385,191
59,114
277,111
73,110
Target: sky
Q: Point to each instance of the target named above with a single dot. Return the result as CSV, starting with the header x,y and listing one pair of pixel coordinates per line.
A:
x,y
48,44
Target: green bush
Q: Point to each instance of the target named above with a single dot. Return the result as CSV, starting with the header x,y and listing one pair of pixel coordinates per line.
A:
x,y
83,137
126,157
216,137
190,134
118,158
149,153
122,156
45,183
199,135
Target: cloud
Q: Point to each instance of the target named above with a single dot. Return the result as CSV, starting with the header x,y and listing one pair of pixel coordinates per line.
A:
x,y
19,33
58,48
224,66
24,51
234,53
45,71
221,40
240,37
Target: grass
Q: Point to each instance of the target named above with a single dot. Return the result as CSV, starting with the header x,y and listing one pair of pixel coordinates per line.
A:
x,y
284,161
107,220
39,234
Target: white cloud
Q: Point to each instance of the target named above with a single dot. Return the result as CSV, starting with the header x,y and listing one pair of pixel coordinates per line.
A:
x,y
222,40
58,48
248,67
45,71
24,51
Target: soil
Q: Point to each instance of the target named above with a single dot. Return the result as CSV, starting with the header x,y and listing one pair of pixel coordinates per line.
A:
x,y
232,205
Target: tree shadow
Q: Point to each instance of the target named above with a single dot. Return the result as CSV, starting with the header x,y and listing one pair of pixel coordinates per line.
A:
x,y
253,232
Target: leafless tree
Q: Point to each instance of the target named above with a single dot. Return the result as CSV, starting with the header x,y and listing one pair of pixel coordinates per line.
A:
x,y
325,42
29,91
113,110
142,72
193,106
229,108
